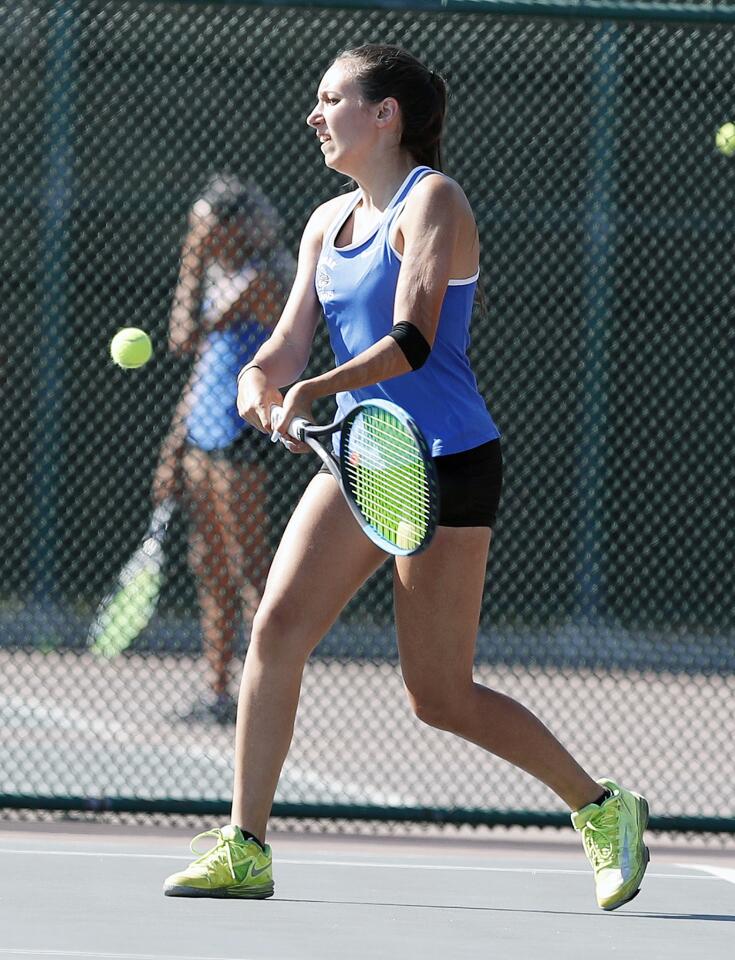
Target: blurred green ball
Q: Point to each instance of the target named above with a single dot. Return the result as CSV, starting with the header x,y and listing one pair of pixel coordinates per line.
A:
x,y
131,348
725,139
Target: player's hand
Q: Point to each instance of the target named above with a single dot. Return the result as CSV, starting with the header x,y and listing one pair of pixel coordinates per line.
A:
x,y
298,402
255,399
167,480
202,224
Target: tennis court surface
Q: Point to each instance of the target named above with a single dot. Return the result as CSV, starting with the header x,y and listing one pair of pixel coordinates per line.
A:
x,y
95,892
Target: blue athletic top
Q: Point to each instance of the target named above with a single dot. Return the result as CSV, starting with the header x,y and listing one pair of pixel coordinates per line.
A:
x,y
356,286
213,421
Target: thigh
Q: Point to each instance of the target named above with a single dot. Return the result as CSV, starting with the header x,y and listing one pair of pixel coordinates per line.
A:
x,y
322,560
204,527
438,596
239,494
239,483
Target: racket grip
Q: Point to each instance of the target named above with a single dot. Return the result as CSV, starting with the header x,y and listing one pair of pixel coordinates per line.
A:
x,y
276,414
296,425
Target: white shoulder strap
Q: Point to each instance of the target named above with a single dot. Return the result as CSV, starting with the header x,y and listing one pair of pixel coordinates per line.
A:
x,y
342,214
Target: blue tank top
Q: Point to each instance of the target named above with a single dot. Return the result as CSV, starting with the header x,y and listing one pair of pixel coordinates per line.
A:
x,y
213,421
356,286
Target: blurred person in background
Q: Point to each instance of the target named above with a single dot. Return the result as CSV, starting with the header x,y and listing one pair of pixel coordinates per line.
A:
x,y
233,280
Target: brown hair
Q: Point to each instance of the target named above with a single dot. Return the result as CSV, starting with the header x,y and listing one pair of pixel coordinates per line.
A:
x,y
384,71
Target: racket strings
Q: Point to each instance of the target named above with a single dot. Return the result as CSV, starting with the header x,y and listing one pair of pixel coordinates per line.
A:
x,y
387,474
387,443
379,512
383,491
128,609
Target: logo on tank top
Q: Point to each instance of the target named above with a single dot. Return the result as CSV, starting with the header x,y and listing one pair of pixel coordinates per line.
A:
x,y
324,280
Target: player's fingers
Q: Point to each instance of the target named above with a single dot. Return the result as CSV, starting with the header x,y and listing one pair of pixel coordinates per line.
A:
x,y
275,421
246,410
301,447
280,421
263,417
295,446
269,401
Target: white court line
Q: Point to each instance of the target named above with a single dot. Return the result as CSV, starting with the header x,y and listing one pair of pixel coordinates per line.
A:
x,y
72,719
349,863
97,955
720,873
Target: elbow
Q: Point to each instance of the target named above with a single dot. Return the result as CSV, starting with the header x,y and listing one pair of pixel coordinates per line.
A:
x,y
181,345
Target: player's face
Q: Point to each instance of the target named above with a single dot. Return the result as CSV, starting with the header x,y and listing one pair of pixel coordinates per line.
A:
x,y
238,238
342,119
229,240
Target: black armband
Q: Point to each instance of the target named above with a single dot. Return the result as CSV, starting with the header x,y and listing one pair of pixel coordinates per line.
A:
x,y
412,342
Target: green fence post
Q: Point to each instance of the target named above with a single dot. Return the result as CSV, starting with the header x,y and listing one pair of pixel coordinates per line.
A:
x,y
56,200
598,303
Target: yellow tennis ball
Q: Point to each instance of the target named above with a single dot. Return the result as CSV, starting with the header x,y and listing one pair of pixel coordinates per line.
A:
x,y
131,348
725,139
407,536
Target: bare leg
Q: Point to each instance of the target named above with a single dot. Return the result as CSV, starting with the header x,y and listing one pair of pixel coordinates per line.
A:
x,y
437,631
238,493
322,560
218,595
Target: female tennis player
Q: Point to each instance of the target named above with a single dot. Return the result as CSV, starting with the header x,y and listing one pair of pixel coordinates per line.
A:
x,y
393,267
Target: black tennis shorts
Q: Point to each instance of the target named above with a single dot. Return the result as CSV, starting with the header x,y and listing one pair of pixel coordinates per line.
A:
x,y
470,484
250,446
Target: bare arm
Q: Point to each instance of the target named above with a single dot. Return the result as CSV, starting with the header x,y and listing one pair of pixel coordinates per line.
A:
x,y
263,301
167,478
439,241
283,357
183,330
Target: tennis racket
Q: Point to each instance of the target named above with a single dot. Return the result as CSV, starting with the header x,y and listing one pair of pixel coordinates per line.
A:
x,y
384,470
127,609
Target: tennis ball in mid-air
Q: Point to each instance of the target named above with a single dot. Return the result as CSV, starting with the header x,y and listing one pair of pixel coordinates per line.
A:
x,y
725,139
131,348
407,536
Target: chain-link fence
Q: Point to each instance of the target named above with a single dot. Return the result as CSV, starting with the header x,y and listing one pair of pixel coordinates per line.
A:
x,y
586,147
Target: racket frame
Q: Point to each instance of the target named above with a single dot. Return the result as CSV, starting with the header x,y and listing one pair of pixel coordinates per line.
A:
x,y
149,552
313,435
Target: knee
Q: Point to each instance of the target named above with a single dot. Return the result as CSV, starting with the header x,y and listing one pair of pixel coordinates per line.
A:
x,y
436,706
279,633
197,556
211,577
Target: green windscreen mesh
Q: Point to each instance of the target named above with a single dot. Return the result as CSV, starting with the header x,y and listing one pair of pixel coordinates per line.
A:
x,y
603,344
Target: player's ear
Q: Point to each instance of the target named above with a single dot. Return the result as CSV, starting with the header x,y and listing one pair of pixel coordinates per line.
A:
x,y
388,111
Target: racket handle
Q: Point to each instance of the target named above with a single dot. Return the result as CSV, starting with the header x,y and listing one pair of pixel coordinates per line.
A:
x,y
296,425
161,517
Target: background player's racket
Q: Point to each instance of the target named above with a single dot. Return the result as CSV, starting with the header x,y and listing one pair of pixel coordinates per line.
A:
x,y
127,609
384,469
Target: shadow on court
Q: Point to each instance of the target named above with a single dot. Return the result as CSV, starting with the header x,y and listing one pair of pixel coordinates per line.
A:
x,y
512,910
719,918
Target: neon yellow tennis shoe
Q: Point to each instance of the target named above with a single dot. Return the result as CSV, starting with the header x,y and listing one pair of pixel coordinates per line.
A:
x,y
233,867
612,834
